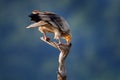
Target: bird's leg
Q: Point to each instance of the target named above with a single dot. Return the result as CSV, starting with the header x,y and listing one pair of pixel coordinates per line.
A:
x,y
57,36
60,43
45,37
42,30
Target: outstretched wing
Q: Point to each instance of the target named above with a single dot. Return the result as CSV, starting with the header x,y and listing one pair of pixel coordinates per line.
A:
x,y
56,21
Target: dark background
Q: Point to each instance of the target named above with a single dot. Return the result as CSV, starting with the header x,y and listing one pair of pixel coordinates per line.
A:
x,y
95,28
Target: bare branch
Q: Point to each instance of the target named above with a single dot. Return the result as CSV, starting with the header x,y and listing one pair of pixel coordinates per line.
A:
x,y
54,44
64,50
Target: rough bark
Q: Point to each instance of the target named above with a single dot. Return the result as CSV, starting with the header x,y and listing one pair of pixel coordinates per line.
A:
x,y
64,51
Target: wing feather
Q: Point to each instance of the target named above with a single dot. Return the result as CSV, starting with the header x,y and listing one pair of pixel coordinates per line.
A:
x,y
56,21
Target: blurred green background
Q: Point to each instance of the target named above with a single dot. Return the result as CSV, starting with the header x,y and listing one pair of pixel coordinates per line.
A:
x,y
95,28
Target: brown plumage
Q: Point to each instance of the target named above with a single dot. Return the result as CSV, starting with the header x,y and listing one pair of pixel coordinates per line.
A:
x,y
52,23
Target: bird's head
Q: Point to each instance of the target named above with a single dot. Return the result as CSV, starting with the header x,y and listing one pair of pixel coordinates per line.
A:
x,y
35,16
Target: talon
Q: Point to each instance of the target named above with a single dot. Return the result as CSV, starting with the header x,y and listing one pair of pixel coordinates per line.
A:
x,y
47,39
60,44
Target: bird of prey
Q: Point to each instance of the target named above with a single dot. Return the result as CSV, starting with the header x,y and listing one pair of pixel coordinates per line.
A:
x,y
52,23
